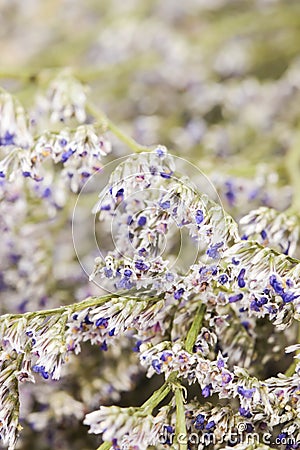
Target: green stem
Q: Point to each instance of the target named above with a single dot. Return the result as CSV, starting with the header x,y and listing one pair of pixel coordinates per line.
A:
x,y
181,433
293,167
155,399
290,371
87,303
195,328
22,75
160,394
104,446
127,140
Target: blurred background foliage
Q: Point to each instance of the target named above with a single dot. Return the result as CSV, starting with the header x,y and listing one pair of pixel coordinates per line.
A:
x,y
216,81
216,78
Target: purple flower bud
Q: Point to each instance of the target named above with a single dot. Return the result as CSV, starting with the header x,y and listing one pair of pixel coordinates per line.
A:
x,y
220,363
140,265
166,356
223,278
213,250
103,346
247,393
264,234
210,425
63,142
241,281
120,193
160,152
199,216
127,273
169,277
142,221
276,285
87,320
245,412
235,261
178,294
105,207
9,138
41,371
169,428
206,392
136,348
46,193
108,272
66,155
282,437
124,283
165,205
229,194
288,297
235,298
199,422
102,322
166,174
226,378
156,364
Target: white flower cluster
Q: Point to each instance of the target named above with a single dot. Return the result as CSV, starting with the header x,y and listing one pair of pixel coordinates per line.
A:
x,y
26,147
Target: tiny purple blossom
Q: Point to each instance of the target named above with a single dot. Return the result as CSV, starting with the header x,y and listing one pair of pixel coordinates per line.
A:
x,y
127,273
235,298
241,281
142,221
213,250
276,285
246,393
223,278
211,424
245,412
102,322
156,364
140,265
226,378
178,294
264,234
206,391
66,155
199,422
165,205
288,296
7,139
199,216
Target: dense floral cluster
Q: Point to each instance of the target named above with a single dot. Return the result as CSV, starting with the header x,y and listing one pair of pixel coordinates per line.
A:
x,y
197,327
171,322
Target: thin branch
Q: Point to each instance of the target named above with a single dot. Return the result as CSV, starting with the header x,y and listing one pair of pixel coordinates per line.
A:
x,y
195,328
104,120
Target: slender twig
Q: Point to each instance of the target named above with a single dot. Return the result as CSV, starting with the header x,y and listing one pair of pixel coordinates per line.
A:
x,y
105,446
106,122
292,164
87,303
181,433
291,369
160,394
195,328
